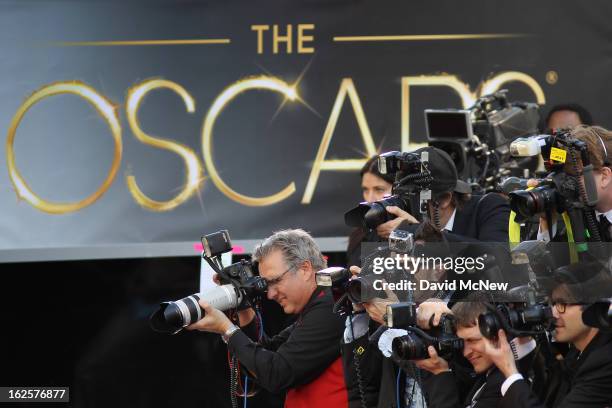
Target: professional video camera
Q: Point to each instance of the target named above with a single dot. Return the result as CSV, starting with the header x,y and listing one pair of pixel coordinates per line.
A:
x,y
478,138
410,192
240,286
413,346
570,187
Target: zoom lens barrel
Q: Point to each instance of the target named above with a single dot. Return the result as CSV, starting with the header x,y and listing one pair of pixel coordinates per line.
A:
x,y
171,317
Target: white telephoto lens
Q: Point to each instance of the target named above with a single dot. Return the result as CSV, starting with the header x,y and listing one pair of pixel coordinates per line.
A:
x,y
222,297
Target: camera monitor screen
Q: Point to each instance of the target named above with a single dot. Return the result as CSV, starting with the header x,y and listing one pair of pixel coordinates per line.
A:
x,y
448,124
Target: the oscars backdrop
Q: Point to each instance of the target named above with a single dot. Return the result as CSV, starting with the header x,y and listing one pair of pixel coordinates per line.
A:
x,y
131,128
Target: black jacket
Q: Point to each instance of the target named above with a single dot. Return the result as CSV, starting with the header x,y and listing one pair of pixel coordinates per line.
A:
x,y
299,353
362,363
444,389
483,218
585,380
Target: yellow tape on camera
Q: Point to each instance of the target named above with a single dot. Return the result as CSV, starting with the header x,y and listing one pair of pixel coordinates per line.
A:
x,y
558,155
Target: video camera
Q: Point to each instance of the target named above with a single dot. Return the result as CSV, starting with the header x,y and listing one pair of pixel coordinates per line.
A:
x,y
478,138
241,286
410,192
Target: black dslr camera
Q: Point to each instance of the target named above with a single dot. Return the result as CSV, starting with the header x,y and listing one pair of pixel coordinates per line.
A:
x,y
562,190
413,346
241,286
516,319
411,189
361,288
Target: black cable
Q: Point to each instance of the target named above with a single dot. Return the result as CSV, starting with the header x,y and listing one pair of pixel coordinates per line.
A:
x,y
436,215
588,212
417,178
357,366
483,176
234,381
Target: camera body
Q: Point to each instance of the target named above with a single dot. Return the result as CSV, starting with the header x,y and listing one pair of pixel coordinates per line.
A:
x,y
516,319
357,290
241,286
413,346
556,193
570,187
410,192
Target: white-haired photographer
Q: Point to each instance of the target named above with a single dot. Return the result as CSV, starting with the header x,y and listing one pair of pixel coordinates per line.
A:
x,y
303,359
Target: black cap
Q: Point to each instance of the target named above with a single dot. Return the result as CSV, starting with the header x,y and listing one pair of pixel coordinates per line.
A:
x,y
444,172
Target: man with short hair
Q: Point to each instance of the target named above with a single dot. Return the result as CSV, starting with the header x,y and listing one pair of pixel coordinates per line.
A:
x,y
599,148
443,387
303,359
584,377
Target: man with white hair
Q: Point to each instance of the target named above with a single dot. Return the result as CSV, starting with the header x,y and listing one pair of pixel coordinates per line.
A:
x,y
303,359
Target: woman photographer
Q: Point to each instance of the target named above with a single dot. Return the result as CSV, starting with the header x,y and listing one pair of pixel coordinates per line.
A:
x,y
374,186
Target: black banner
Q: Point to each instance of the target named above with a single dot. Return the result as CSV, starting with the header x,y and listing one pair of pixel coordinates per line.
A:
x,y
132,128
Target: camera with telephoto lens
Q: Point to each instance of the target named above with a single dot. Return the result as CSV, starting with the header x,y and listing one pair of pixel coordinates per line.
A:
x,y
240,286
478,138
411,188
516,319
570,187
413,346
545,197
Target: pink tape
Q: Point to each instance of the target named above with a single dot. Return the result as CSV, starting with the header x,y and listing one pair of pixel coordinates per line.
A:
x,y
199,248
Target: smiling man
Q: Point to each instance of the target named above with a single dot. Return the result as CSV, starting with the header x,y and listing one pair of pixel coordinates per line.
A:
x,y
444,387
303,359
584,377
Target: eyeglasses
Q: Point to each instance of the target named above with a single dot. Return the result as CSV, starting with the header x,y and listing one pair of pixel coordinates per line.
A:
x,y
275,281
562,306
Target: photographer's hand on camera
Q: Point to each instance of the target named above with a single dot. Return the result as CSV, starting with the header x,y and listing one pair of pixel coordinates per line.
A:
x,y
544,231
430,311
501,354
215,321
434,364
377,308
384,230
245,316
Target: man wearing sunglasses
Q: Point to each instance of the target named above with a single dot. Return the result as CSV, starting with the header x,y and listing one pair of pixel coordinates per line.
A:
x,y
304,359
584,377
